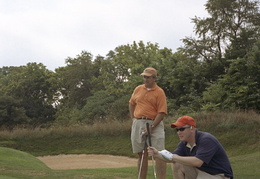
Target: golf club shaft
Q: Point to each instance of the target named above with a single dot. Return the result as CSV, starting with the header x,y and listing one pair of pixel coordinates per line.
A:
x,y
150,144
154,171
148,134
142,159
141,164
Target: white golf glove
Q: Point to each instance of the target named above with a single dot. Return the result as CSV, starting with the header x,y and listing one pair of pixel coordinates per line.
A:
x,y
166,155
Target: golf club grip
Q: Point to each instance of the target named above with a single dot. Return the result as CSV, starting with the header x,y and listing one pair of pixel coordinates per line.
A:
x,y
148,134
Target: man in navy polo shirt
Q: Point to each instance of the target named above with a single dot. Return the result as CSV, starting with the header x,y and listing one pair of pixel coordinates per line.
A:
x,y
199,155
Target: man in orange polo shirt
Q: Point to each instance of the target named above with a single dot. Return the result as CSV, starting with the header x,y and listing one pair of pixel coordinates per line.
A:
x,y
148,105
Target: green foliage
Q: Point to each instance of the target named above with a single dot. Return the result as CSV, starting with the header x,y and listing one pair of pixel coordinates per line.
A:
x,y
127,62
119,109
213,96
67,116
97,107
230,31
31,87
183,82
229,20
241,45
74,80
239,87
11,112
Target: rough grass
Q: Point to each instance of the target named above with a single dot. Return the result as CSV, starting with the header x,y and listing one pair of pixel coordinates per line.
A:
x,y
109,127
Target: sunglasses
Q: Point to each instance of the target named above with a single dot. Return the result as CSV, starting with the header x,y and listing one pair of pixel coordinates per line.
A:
x,y
182,128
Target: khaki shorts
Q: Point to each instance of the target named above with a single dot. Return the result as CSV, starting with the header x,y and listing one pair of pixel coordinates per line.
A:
x,y
138,141
194,173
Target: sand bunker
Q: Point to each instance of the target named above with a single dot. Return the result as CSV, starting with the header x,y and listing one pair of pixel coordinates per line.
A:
x,y
84,161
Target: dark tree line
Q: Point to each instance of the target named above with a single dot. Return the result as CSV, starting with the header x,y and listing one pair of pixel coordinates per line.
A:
x,y
219,69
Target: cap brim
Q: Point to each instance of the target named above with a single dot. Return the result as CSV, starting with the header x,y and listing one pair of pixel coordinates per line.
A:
x,y
146,74
177,124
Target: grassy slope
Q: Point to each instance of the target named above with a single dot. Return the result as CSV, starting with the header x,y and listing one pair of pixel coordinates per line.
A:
x,y
19,164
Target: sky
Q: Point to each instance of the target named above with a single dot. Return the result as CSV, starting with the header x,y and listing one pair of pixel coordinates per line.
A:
x,y
50,31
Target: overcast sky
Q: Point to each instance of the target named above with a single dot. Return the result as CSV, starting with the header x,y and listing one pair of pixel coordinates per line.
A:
x,y
49,31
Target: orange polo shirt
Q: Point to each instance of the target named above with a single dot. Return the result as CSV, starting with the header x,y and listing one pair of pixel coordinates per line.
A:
x,y
148,103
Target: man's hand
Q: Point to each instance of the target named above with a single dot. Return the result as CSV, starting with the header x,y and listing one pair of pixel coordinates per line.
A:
x,y
144,132
167,155
152,151
163,155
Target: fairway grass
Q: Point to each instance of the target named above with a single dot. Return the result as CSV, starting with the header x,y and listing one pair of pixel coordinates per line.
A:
x,y
21,165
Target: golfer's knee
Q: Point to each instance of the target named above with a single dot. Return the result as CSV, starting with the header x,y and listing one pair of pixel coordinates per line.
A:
x,y
177,168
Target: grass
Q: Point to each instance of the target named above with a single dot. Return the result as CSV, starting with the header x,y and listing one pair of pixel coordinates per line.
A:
x,y
246,166
238,132
17,164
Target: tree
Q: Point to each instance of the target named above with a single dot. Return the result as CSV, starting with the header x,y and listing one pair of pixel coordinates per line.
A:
x,y
127,62
11,112
30,85
228,20
74,80
118,75
240,87
224,39
183,81
97,107
228,33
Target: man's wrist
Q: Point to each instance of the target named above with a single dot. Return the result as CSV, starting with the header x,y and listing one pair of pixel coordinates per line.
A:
x,y
174,157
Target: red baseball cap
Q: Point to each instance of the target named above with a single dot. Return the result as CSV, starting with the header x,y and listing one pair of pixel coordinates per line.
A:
x,y
184,120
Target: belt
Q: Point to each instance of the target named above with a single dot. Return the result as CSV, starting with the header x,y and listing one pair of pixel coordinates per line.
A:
x,y
146,118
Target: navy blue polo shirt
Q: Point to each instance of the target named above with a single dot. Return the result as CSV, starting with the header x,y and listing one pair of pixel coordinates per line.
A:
x,y
210,151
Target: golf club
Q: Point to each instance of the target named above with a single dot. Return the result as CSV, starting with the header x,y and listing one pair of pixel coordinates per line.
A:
x,y
150,144
141,163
